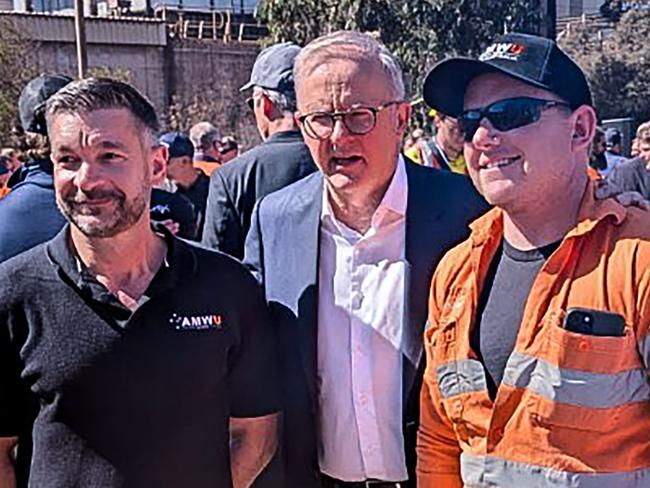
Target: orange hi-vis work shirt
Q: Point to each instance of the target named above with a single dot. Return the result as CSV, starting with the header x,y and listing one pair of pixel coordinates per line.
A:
x,y
573,410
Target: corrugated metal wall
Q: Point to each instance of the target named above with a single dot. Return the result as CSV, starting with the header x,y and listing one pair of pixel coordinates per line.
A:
x,y
60,28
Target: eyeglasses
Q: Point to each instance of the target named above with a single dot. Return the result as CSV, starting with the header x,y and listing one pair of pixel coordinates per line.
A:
x,y
505,115
250,101
357,120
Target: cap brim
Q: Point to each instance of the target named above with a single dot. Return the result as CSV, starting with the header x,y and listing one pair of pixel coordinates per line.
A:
x,y
446,83
247,86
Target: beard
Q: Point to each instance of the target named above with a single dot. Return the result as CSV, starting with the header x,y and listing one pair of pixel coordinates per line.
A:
x,y
109,219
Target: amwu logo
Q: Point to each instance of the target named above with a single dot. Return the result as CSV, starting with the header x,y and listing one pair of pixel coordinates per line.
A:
x,y
196,322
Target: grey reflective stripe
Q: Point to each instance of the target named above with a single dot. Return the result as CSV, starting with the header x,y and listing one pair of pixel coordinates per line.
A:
x,y
644,350
488,471
585,389
458,377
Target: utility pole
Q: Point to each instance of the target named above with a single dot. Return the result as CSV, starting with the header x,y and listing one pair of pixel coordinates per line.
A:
x,y
80,36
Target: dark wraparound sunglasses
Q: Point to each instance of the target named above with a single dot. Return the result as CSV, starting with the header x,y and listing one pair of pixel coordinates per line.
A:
x,y
505,115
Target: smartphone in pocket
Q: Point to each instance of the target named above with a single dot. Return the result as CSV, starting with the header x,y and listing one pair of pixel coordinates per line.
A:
x,y
594,322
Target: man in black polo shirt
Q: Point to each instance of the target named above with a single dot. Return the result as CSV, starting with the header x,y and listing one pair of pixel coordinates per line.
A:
x,y
116,355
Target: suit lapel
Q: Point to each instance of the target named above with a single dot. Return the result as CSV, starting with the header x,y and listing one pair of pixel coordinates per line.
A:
x,y
305,227
420,218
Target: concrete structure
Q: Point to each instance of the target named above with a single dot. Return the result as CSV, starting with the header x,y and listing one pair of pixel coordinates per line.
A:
x,y
163,67
573,8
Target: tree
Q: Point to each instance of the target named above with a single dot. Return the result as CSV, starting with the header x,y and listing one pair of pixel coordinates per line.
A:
x,y
419,32
617,65
17,67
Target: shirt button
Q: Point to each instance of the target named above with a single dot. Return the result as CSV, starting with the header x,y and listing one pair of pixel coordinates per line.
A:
x,y
357,300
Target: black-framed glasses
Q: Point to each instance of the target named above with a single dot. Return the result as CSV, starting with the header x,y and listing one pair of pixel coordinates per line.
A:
x,y
357,120
250,101
505,115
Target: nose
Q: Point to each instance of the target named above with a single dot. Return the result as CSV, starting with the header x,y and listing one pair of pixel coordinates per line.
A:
x,y
88,176
339,130
486,136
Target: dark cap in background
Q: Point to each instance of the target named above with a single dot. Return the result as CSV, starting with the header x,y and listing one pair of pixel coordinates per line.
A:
x,y
534,60
31,104
177,144
613,137
273,68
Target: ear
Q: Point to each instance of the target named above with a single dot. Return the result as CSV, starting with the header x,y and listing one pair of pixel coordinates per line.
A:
x,y
158,164
584,128
403,117
268,107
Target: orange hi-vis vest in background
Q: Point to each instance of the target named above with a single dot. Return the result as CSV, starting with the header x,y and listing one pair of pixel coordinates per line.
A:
x,y
573,410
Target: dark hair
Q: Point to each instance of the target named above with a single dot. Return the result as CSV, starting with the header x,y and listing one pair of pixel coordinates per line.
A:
x,y
102,93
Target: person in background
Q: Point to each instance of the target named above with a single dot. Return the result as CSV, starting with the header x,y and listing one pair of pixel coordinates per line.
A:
x,y
278,161
597,159
633,175
206,139
28,214
613,154
4,176
228,149
13,161
413,145
447,144
190,181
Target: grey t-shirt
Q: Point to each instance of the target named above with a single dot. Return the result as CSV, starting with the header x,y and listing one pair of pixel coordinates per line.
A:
x,y
501,306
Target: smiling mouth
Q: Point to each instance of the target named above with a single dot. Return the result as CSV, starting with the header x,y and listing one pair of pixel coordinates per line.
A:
x,y
500,163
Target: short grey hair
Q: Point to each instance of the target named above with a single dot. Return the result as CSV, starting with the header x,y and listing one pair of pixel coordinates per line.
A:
x,y
351,45
285,102
203,135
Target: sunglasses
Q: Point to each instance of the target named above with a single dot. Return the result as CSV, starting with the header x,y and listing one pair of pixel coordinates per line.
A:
x,y
505,115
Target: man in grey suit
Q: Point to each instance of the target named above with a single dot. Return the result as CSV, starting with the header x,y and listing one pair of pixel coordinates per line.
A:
x,y
346,256
280,160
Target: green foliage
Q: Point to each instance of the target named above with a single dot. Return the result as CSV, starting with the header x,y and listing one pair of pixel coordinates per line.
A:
x,y
617,64
17,67
419,32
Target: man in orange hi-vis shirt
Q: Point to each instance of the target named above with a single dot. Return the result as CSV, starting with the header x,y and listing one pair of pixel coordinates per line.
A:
x,y
537,348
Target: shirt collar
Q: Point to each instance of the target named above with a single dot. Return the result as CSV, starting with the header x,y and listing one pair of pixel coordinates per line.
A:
x,y
591,212
394,200
179,263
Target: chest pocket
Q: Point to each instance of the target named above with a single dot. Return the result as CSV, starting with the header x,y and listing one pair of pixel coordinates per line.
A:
x,y
585,381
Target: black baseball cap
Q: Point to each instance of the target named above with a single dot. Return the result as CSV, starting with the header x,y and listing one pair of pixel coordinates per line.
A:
x,y
534,60
31,104
177,144
273,68
612,136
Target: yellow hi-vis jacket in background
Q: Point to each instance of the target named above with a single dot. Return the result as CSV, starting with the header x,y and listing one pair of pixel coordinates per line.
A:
x,y
573,410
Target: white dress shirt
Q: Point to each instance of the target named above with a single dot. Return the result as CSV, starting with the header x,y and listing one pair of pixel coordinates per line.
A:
x,y
361,289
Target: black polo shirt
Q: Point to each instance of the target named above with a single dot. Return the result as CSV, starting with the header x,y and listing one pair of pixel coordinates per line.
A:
x,y
143,399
